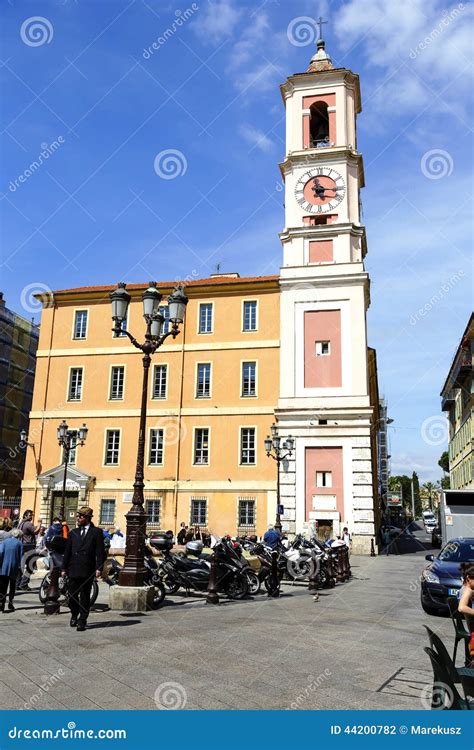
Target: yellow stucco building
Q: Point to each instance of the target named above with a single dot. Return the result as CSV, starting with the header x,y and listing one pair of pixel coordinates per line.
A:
x,y
210,405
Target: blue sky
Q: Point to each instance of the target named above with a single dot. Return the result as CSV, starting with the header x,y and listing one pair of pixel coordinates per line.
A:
x,y
80,85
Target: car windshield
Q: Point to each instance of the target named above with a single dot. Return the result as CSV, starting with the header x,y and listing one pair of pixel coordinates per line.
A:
x,y
457,552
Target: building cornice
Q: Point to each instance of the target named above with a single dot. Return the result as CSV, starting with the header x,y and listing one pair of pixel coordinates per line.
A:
x,y
309,157
79,351
322,231
310,80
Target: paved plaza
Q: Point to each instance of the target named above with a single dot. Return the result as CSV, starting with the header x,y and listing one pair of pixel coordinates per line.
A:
x,y
359,646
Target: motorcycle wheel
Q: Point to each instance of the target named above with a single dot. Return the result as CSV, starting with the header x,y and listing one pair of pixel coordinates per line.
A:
x,y
170,586
253,581
238,587
44,588
159,595
95,591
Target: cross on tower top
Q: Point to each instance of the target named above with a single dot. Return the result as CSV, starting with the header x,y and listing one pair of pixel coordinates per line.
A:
x,y
320,22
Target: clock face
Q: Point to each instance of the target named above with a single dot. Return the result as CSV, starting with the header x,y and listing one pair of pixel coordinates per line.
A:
x,y
320,190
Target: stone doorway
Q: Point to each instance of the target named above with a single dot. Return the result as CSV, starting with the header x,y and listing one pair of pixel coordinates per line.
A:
x,y
71,504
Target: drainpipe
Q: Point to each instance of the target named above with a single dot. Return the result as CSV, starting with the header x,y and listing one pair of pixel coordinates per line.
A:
x,y
178,450
44,408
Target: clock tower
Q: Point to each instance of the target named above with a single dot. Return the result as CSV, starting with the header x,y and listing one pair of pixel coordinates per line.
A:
x,y
324,400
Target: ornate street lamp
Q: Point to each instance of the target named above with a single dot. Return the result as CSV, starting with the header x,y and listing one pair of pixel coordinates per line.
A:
x,y
68,439
279,452
133,571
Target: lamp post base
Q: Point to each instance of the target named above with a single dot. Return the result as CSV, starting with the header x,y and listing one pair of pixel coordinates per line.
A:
x,y
131,598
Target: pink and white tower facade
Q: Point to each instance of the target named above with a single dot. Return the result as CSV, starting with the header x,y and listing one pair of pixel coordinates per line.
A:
x,y
324,398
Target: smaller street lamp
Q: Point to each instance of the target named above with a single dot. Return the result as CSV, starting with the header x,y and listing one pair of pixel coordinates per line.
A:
x,y
68,439
279,451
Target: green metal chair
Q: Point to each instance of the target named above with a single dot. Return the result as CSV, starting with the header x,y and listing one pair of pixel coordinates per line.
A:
x,y
464,675
445,696
462,634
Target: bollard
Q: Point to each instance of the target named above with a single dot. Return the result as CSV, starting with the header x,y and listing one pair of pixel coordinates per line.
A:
x,y
51,605
212,595
339,568
313,576
274,588
372,548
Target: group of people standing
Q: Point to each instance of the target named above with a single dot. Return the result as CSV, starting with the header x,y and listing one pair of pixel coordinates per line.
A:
x,y
83,559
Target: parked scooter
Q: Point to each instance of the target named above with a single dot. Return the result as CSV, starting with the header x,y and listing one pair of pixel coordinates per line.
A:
x,y
191,571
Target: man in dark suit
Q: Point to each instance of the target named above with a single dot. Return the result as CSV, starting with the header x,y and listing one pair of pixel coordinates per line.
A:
x,y
84,558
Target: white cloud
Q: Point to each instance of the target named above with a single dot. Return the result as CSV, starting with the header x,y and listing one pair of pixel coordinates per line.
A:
x,y
424,47
217,21
256,138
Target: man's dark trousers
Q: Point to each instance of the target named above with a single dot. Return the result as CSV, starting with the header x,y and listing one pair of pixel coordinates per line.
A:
x,y
80,590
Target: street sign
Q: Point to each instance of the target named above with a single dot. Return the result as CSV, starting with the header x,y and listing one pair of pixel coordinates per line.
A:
x,y
281,510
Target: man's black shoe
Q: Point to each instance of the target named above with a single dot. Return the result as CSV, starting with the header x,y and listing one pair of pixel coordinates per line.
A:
x,y
11,608
73,622
81,626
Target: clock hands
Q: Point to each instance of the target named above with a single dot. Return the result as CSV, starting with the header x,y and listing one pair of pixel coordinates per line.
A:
x,y
319,190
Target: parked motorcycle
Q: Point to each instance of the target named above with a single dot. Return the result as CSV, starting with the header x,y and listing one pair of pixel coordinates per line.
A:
x,y
63,583
191,571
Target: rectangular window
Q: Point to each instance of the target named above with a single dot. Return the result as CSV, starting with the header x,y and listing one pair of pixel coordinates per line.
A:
x,y
250,316
246,512
205,317
153,508
323,479
156,447
203,380
112,447
123,327
165,311
75,384
247,446
198,511
117,378
201,446
323,348
160,378
72,449
107,511
80,324
249,378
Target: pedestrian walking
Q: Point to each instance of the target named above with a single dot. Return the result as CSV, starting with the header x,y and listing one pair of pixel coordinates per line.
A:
x,y
386,539
28,539
346,538
11,550
84,558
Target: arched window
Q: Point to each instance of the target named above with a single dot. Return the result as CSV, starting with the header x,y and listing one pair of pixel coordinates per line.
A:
x,y
319,124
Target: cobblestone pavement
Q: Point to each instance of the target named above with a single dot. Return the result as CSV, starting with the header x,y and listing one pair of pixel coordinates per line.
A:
x,y
360,646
